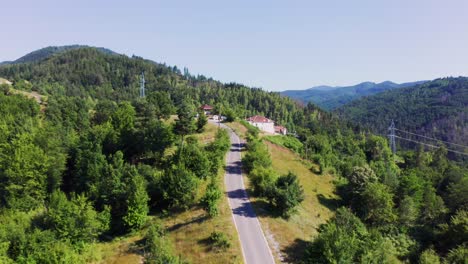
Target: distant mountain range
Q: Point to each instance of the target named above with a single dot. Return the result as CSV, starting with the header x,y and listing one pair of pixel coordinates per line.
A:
x,y
44,53
330,97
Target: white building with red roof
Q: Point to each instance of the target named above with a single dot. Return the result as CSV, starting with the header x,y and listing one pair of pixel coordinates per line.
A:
x,y
263,123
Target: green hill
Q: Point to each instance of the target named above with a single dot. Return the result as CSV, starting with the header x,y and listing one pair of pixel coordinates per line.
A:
x,y
329,98
437,109
46,52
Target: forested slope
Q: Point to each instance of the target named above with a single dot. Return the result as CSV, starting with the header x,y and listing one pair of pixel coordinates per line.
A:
x,y
436,109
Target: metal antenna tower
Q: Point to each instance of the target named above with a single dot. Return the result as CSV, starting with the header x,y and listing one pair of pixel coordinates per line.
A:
x,y
142,85
391,137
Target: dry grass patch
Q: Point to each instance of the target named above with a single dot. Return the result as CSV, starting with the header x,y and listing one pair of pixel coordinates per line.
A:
x,y
208,135
122,250
293,234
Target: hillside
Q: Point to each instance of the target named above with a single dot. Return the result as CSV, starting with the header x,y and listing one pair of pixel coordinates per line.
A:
x,y
46,52
329,98
437,109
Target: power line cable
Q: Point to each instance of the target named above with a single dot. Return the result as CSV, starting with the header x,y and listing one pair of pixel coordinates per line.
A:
x,y
432,146
431,138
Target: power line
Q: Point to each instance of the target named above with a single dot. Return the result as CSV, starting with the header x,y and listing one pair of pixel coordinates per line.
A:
x,y
432,146
431,138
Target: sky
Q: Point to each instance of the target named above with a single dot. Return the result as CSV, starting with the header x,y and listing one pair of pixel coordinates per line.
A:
x,y
275,45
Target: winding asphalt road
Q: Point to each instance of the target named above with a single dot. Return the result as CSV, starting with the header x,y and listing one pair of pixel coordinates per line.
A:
x,y
255,248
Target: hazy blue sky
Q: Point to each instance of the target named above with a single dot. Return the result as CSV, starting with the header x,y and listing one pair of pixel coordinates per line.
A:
x,y
276,45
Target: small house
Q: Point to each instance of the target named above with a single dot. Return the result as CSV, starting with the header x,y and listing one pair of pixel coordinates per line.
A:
x,y
207,109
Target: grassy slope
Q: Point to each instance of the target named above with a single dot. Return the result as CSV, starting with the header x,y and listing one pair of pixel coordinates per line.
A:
x,y
288,238
188,231
293,234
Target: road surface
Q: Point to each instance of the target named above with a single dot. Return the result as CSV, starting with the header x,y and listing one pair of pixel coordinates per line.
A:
x,y
254,245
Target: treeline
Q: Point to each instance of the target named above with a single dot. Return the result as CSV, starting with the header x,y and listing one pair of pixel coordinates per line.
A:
x,y
79,173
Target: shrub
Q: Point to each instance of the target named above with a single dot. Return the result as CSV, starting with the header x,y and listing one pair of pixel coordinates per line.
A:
x,y
287,194
458,255
178,186
263,180
429,256
157,247
219,240
257,156
211,198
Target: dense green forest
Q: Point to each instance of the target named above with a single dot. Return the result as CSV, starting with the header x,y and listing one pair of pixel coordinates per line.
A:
x,y
437,109
330,98
95,160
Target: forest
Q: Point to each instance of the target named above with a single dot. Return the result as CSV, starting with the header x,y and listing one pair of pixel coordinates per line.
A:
x,y
94,161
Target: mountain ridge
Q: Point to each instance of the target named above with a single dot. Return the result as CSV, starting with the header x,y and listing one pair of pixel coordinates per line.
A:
x,y
330,97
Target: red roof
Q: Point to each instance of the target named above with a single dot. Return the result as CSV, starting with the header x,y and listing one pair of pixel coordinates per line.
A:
x,y
206,107
259,119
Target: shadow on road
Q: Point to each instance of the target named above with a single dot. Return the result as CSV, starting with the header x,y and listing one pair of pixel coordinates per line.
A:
x,y
234,168
237,147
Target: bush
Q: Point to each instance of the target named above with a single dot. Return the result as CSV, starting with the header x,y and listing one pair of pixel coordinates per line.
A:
x,y
219,240
178,186
158,248
75,220
211,198
194,158
263,180
458,255
230,115
287,194
257,156
429,257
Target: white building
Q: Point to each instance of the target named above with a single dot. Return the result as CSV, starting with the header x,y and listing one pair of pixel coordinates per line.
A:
x,y
263,123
